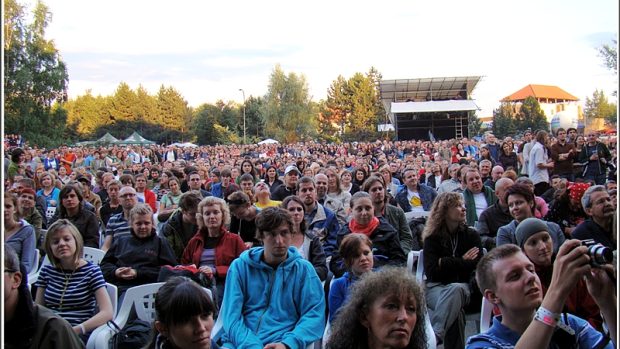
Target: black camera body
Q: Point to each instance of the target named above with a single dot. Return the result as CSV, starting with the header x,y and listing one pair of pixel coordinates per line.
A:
x,y
598,253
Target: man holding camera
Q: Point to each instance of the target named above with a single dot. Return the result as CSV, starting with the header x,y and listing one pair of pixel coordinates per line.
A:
x,y
507,279
597,205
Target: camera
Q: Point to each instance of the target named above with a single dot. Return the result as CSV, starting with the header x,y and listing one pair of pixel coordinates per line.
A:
x,y
598,253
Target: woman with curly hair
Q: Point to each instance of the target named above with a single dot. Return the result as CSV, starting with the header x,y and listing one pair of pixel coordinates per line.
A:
x,y
451,252
385,310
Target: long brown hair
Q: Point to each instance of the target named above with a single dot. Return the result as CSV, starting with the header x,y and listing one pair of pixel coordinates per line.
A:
x,y
436,222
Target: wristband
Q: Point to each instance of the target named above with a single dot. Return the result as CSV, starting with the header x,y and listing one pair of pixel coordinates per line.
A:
x,y
546,317
552,319
81,326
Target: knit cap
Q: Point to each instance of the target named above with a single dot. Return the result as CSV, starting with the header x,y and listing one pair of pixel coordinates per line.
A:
x,y
527,228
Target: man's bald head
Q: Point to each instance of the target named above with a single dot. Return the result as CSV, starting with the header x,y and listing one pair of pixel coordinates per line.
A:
x,y
501,186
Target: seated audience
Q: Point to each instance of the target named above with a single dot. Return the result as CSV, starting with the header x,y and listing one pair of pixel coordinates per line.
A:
x,y
183,316
495,216
213,248
135,259
597,205
308,245
451,252
182,225
385,310
384,237
566,210
72,207
27,324
520,200
70,286
274,286
356,252
536,243
508,279
19,234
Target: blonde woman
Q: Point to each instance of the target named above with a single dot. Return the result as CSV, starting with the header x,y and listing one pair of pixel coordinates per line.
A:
x,y
70,286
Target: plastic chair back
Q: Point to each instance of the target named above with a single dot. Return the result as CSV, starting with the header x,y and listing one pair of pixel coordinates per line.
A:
x,y
93,255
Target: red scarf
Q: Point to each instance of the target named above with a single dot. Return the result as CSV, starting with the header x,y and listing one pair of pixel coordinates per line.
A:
x,y
366,230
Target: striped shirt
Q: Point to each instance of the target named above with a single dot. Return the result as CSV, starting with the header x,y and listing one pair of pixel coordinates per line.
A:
x,y
117,226
78,299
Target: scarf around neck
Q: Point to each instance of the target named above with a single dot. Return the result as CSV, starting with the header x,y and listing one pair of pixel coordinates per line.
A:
x,y
366,230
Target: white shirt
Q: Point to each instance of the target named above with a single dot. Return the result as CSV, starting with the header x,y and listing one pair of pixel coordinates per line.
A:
x,y
481,203
538,155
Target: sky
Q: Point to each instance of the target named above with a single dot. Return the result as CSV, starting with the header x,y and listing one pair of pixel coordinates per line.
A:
x,y
208,50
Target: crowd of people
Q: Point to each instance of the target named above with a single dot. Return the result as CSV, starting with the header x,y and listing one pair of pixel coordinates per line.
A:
x,y
294,237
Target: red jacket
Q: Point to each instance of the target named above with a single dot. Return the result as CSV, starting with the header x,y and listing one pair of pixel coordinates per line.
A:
x,y
228,248
151,199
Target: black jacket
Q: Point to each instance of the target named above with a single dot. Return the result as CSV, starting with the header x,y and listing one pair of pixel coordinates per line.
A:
x,y
453,267
385,248
146,256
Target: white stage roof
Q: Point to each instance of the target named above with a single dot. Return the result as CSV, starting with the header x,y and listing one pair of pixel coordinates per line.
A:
x,y
433,106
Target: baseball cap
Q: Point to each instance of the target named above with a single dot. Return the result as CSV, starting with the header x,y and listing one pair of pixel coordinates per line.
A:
x,y
290,168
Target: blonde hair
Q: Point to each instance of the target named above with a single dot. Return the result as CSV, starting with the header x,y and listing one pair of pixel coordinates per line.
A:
x,y
58,226
213,201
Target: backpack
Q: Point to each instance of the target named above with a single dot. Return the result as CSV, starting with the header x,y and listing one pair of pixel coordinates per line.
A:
x,y
417,226
135,334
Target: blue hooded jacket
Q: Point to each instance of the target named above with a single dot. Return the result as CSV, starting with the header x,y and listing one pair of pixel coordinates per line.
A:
x,y
264,305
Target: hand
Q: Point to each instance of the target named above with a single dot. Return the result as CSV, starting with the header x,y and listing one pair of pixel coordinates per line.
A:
x,y
52,202
77,330
126,273
249,244
471,254
275,346
594,157
207,271
550,164
571,263
601,286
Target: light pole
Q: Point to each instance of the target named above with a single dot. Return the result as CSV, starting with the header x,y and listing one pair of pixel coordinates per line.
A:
x,y
243,92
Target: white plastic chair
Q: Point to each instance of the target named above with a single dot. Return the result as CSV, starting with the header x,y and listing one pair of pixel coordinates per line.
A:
x,y
486,315
33,277
93,255
142,299
419,272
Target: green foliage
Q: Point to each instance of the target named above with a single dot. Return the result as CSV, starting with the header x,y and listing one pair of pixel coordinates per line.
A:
x,y
353,107
475,125
255,123
503,123
531,116
288,112
609,53
35,77
599,107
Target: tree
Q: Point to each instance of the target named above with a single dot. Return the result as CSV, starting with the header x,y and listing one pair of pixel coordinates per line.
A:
x,y
336,109
288,111
503,123
255,122
362,122
475,124
609,53
531,116
173,112
599,107
35,77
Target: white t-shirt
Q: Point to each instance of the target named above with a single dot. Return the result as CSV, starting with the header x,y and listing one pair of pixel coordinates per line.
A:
x,y
481,203
415,201
538,155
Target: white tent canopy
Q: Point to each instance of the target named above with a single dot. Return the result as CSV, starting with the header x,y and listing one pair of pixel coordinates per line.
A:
x,y
433,106
268,141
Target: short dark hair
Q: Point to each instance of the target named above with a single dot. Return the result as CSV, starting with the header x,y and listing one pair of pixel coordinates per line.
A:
x,y
304,180
484,271
189,200
523,190
180,299
246,177
350,246
271,218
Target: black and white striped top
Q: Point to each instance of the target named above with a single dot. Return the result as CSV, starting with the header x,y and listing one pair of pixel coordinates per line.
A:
x,y
78,302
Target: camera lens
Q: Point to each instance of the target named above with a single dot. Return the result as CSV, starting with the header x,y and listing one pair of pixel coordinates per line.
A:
x,y
601,254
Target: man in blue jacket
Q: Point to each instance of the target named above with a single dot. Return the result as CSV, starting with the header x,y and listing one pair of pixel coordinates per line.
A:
x,y
415,196
276,300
